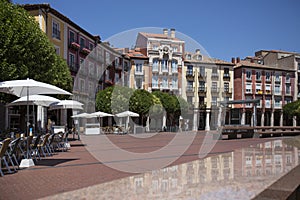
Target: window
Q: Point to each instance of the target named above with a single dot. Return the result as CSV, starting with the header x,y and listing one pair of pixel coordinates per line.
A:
x,y
268,88
268,76
82,86
287,100
139,68
201,86
165,82
248,75
214,87
277,77
174,49
188,56
154,81
214,101
82,42
72,60
91,46
174,66
189,70
287,78
72,37
258,75
226,72
164,65
189,86
249,88
202,71
138,82
226,87
248,105
258,88
268,103
55,30
277,102
174,82
277,89
57,50
288,88
199,57
155,65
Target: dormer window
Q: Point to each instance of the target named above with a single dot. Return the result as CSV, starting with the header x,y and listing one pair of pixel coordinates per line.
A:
x,y
188,56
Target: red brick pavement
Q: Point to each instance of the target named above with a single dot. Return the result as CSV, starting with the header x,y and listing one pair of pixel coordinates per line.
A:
x,y
77,168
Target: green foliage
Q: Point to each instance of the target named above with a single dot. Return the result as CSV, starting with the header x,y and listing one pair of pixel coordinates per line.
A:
x,y
26,52
292,108
140,102
114,99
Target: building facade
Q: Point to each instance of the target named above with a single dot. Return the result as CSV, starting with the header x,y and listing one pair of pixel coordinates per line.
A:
x,y
206,82
165,53
274,86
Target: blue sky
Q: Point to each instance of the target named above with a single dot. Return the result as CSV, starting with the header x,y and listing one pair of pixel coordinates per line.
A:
x,y
225,29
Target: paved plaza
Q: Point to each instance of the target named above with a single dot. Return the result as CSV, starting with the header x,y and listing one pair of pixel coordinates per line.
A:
x,y
78,168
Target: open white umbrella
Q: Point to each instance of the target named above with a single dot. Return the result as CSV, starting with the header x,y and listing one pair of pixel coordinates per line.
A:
x,y
127,114
100,114
66,104
29,87
39,100
81,115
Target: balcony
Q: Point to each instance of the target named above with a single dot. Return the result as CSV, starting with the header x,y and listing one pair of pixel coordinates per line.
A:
x,y
190,91
226,77
201,77
190,76
74,45
202,106
277,80
85,51
139,72
202,91
259,92
215,76
214,90
268,92
227,92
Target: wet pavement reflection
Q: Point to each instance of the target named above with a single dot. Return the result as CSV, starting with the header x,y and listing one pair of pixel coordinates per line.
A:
x,y
240,174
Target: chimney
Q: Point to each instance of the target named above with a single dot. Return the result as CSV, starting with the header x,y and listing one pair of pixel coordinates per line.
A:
x,y
238,60
172,34
197,51
233,60
165,31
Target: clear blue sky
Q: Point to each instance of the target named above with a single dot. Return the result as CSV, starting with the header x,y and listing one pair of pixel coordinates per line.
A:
x,y
225,29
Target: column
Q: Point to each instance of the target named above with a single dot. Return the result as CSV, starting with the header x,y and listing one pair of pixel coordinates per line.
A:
x,y
207,121
195,120
294,121
220,117
6,117
281,118
262,120
254,115
243,119
272,118
164,120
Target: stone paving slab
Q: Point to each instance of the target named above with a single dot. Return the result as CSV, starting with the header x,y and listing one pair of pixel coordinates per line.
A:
x,y
77,168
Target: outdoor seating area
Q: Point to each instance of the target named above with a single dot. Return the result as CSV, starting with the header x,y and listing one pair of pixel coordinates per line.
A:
x,y
14,149
119,130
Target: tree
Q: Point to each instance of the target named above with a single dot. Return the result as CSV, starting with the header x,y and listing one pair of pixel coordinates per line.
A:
x,y
141,102
292,109
26,52
114,99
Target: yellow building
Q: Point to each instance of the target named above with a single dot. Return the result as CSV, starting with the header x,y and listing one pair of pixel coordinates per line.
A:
x,y
207,82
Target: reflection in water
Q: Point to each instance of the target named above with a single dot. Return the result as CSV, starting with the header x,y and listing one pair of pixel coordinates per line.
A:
x,y
240,174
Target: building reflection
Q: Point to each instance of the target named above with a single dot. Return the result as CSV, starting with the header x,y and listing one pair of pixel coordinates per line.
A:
x,y
263,162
